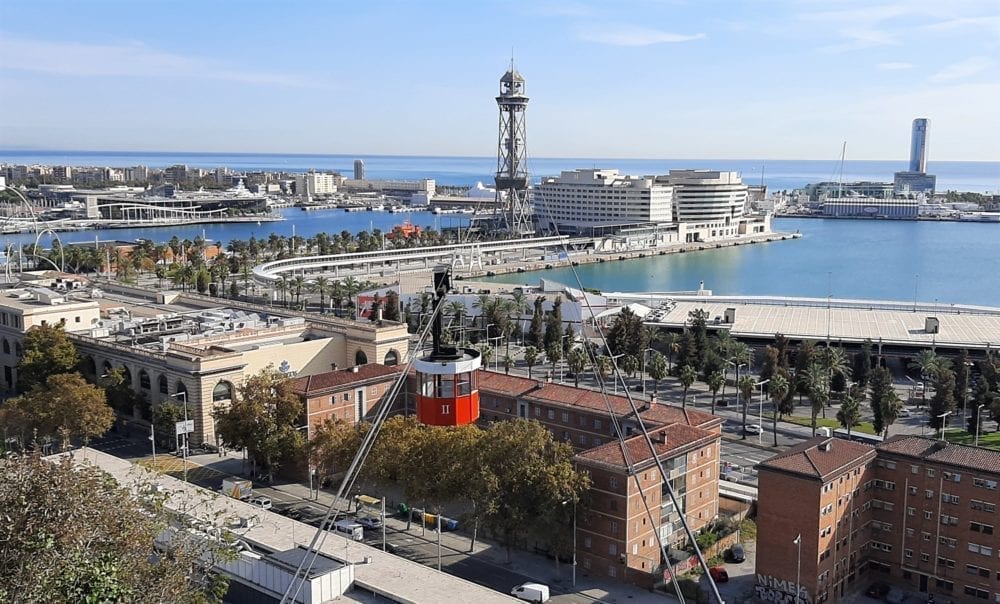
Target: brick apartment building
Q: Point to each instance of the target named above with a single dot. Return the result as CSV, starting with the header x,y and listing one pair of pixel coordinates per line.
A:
x,y
914,512
348,394
616,537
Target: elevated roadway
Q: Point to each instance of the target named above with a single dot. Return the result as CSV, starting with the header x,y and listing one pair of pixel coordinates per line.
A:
x,y
459,254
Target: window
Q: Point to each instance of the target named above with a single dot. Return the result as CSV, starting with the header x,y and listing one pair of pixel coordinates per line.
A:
x,y
982,505
945,562
565,417
945,585
948,541
913,490
928,514
982,594
613,482
612,548
930,473
924,557
552,414
144,381
982,483
910,511
978,527
162,384
946,519
952,499
888,485
586,542
597,424
929,493
908,553
223,391
984,550
914,469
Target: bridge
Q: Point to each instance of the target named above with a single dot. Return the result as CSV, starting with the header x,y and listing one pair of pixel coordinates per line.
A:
x,y
459,254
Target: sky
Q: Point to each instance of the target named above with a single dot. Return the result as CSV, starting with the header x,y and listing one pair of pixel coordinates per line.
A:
x,y
713,79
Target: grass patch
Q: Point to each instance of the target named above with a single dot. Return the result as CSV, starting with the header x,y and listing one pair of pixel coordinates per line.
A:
x,y
748,530
988,440
833,424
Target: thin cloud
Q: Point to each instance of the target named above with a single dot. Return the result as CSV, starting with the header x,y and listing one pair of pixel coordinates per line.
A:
x,y
630,35
132,59
894,66
960,70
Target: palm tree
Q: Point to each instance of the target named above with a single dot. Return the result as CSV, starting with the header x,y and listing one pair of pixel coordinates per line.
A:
x,y
282,286
657,370
890,410
723,342
670,343
321,286
929,364
837,364
816,381
716,381
687,377
530,358
778,389
455,311
849,414
482,303
577,361
603,367
746,385
297,284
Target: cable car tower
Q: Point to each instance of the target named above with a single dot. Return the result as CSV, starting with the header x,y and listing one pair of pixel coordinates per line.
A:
x,y
447,391
513,214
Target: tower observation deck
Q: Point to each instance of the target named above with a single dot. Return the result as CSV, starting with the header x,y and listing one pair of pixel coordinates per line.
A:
x,y
513,210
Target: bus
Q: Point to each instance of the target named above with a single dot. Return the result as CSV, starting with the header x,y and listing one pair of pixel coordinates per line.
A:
x,y
859,437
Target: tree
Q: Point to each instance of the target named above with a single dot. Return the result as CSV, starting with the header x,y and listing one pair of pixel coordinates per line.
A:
x,y
391,312
530,358
849,414
837,367
778,390
863,365
71,533
746,386
963,366
554,324
715,383
604,367
538,324
64,407
890,410
699,329
657,370
943,400
554,354
47,351
687,376
263,418
929,364
332,446
881,387
577,361
982,400
805,356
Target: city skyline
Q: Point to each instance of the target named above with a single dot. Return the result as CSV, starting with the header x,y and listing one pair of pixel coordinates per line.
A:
x,y
641,79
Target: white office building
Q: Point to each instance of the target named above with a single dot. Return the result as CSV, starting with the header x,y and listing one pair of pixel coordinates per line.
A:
x,y
707,196
316,183
597,201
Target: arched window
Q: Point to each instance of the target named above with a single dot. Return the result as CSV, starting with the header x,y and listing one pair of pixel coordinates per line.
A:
x,y
223,391
360,358
17,348
164,388
391,359
181,388
6,346
144,382
89,366
127,376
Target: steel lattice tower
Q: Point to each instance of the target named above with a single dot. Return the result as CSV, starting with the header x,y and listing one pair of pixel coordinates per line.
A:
x,y
513,210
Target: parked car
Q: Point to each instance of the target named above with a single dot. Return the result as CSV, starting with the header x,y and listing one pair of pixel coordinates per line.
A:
x,y
263,503
753,429
736,553
877,590
719,574
370,522
531,592
904,412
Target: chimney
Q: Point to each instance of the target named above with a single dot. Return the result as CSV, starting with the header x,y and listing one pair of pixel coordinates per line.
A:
x,y
826,445
823,431
355,369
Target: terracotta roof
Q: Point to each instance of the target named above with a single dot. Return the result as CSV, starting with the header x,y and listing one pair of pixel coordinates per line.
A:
x,y
672,414
313,384
501,383
669,441
964,456
812,458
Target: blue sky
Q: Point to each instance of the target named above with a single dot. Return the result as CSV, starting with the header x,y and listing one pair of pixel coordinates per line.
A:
x,y
788,79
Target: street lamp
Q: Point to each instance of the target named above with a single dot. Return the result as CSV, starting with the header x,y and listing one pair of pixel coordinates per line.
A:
x,y
737,365
574,537
979,421
760,435
944,421
798,565
184,451
614,367
642,371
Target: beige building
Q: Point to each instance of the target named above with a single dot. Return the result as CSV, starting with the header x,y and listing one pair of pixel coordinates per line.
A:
x,y
192,349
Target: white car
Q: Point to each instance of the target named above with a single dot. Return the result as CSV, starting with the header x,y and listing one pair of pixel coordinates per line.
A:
x,y
903,413
753,429
263,503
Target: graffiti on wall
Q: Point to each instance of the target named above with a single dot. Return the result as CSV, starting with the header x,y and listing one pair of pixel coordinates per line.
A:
x,y
780,591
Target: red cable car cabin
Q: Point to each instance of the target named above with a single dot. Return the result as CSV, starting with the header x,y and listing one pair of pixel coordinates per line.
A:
x,y
448,393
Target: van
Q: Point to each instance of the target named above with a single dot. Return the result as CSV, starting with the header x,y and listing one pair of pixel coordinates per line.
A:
x,y
531,592
350,529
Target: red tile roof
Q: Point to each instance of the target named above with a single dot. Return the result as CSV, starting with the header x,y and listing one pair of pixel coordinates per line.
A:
x,y
337,380
973,458
811,458
668,442
509,385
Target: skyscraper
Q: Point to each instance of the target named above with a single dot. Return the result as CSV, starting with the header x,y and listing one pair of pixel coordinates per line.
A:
x,y
918,145
359,169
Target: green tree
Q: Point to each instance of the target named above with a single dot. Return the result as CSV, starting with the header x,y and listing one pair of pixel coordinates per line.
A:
x,y
554,354
657,370
603,368
715,383
530,358
263,418
554,324
778,389
849,414
805,357
891,407
47,351
982,400
929,364
577,361
879,398
538,324
687,376
71,533
64,407
817,385
863,365
746,385
943,400
391,305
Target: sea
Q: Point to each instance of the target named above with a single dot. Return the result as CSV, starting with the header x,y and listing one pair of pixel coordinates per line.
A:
x,y
947,262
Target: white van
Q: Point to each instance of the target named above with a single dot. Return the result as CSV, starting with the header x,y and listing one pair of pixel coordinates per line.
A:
x,y
350,529
531,592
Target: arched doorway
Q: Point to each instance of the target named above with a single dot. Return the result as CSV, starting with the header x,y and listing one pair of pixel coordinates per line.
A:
x,y
144,381
360,358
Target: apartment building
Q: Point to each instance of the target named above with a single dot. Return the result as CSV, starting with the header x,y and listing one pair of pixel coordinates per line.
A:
x,y
345,394
915,512
618,538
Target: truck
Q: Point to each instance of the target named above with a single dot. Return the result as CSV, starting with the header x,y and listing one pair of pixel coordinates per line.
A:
x,y
237,488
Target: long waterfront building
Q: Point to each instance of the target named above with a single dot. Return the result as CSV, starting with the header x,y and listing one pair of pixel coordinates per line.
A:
x,y
592,201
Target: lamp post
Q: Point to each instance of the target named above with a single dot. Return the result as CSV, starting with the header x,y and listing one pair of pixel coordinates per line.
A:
x,y
642,371
737,366
798,565
486,334
965,391
944,421
614,368
760,435
979,421
574,537
184,451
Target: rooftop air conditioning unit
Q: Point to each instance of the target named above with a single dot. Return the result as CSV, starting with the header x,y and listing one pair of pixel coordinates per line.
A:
x,y
932,325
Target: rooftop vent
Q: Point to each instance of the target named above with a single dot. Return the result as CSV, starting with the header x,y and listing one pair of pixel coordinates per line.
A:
x,y
932,325
826,445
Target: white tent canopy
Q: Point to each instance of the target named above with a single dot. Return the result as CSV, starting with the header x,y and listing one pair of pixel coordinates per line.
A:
x,y
640,310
